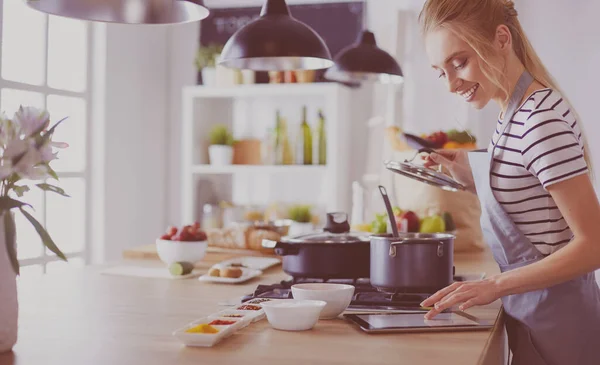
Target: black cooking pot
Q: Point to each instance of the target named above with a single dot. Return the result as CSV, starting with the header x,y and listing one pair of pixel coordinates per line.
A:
x,y
412,262
334,253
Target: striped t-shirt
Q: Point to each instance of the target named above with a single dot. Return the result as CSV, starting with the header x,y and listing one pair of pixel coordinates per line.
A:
x,y
541,146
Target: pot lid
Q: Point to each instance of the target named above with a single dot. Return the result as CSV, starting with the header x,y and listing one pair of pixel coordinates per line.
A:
x,y
328,237
337,230
424,174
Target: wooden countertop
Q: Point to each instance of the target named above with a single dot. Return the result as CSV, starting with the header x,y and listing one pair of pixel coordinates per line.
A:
x,y
84,317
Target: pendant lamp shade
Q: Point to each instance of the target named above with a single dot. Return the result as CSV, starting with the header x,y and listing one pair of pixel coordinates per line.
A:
x,y
276,42
125,11
365,61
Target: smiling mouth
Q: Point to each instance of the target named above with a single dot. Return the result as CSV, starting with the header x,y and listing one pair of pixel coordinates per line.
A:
x,y
468,94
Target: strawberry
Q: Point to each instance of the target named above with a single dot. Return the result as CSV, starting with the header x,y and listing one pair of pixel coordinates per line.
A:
x,y
171,231
200,236
176,237
186,235
196,226
165,237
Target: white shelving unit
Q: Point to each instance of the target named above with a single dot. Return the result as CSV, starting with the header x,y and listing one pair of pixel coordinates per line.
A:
x,y
249,110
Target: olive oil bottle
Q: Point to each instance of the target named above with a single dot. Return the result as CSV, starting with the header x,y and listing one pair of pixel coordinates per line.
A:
x,y
305,145
322,137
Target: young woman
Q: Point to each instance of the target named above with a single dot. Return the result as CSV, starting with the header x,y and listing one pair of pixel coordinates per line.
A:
x,y
540,214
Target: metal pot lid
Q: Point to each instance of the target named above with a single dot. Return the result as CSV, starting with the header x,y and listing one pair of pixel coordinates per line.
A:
x,y
337,230
414,237
424,174
328,237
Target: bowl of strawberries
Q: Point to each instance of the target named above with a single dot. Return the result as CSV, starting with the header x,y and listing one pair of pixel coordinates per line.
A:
x,y
184,244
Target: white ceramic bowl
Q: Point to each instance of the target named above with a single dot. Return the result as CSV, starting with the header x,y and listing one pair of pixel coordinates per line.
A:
x,y
337,296
178,251
293,314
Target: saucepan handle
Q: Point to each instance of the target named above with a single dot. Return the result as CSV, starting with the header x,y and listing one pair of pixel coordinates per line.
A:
x,y
281,249
393,245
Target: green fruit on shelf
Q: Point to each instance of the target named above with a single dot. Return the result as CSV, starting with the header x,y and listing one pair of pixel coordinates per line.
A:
x,y
449,221
433,224
181,268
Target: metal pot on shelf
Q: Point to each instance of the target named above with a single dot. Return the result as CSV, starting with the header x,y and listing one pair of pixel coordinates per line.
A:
x,y
333,253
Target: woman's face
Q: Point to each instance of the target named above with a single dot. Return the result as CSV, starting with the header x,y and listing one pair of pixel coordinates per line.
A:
x,y
457,65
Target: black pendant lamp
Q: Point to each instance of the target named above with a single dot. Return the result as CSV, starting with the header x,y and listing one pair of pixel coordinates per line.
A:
x,y
125,11
276,42
364,61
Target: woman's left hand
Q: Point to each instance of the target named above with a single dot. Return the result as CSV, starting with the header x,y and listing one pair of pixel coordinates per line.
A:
x,y
468,293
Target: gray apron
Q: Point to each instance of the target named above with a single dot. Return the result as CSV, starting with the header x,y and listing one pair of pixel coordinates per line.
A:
x,y
559,325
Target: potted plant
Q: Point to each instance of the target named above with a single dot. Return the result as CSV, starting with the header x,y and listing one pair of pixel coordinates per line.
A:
x,y
301,218
220,151
26,150
206,63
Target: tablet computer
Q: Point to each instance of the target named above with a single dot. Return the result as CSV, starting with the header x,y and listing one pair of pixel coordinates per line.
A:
x,y
416,322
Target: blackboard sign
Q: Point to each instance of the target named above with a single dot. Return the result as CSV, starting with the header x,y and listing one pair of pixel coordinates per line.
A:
x,y
339,24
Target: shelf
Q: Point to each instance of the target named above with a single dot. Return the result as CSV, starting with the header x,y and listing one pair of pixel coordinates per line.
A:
x,y
255,90
258,169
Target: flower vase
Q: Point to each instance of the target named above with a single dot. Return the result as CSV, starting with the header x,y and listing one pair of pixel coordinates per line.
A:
x,y
9,307
220,155
209,76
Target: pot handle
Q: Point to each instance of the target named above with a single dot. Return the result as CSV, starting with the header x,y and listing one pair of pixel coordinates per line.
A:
x,y
440,249
392,253
281,249
393,245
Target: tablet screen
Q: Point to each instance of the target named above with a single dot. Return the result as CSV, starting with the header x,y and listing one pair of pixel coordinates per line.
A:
x,y
415,320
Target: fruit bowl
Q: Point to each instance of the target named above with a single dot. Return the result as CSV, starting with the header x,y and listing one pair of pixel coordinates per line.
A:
x,y
171,252
187,244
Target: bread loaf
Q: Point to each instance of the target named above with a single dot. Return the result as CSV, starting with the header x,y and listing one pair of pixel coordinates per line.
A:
x,y
256,236
232,237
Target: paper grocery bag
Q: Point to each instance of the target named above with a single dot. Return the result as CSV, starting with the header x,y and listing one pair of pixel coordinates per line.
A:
x,y
424,199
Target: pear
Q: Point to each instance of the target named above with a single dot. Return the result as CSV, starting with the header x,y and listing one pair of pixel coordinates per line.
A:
x,y
433,224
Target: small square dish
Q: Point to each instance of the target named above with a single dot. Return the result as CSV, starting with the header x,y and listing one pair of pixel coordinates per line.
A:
x,y
248,315
246,274
207,332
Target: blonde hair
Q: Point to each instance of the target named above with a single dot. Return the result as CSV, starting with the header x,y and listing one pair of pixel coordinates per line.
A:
x,y
475,22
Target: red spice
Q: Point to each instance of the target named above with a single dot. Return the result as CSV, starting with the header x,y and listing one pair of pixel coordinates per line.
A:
x,y
218,322
250,307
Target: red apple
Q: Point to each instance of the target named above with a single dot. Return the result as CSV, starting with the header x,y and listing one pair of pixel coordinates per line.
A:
x,y
412,221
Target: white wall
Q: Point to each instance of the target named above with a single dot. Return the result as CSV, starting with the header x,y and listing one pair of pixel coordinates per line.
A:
x,y
135,126
182,45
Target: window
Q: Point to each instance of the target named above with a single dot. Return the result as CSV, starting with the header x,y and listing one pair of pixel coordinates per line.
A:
x,y
44,62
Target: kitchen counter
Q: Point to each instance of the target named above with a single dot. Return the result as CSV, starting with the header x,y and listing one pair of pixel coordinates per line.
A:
x,y
84,317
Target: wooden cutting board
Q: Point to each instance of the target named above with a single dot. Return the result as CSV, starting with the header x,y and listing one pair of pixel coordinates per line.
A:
x,y
213,254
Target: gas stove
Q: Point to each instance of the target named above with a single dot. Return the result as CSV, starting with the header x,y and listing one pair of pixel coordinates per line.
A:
x,y
366,297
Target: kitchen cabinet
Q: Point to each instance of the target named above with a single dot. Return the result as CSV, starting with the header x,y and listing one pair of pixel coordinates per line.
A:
x,y
250,112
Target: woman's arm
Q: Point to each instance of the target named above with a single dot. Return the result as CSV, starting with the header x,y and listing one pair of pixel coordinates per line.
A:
x,y
577,201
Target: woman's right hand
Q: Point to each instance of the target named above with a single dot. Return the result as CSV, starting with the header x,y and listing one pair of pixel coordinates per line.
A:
x,y
456,162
